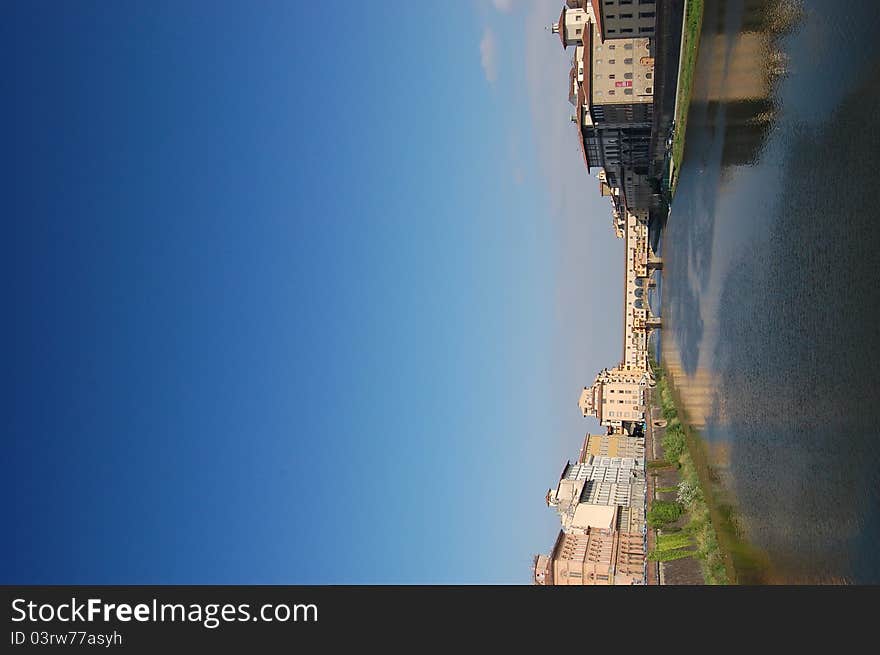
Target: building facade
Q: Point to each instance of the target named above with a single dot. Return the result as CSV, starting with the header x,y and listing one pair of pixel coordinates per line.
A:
x,y
599,557
612,87
621,19
611,445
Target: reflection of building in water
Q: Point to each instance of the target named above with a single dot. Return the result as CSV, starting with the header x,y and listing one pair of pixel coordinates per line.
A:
x,y
698,391
736,75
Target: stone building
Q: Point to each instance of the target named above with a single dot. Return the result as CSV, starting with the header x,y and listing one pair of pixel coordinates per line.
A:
x,y
589,494
616,398
621,19
597,557
612,88
611,445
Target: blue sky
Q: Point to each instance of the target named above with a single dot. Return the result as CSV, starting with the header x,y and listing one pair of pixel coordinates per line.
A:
x,y
297,294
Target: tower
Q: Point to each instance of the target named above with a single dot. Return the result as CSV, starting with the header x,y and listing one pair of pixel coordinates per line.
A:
x,y
573,25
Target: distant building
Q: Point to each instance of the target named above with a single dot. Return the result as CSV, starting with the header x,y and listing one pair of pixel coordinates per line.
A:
x,y
616,398
618,213
611,445
635,301
588,495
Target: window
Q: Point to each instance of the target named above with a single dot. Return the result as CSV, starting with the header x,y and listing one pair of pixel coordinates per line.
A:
x,y
627,76
611,93
628,60
626,15
648,76
612,31
649,89
628,46
646,14
611,77
626,30
610,16
646,29
612,47
577,31
577,17
612,61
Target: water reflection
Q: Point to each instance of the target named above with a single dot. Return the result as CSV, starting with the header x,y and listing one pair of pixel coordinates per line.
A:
x,y
769,300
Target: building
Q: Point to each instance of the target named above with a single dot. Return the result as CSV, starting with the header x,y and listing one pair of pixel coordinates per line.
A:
x,y
612,88
635,301
589,495
616,398
599,557
618,213
621,19
583,559
611,445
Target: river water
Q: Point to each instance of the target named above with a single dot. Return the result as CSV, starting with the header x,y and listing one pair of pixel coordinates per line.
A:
x,y
770,288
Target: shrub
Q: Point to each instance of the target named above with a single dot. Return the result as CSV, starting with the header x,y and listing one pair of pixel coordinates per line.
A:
x,y
688,492
673,443
663,512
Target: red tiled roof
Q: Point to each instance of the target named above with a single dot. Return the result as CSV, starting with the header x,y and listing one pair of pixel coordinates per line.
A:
x,y
562,26
580,126
598,14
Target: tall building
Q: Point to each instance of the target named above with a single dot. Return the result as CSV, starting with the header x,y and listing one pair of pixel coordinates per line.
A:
x,y
635,300
590,494
616,398
612,88
620,19
598,557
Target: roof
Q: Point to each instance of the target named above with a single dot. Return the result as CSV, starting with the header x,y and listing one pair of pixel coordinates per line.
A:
x,y
562,25
580,126
594,516
583,452
597,12
565,469
587,59
583,93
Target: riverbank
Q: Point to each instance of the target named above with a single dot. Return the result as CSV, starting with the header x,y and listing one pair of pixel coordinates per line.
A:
x,y
683,540
711,519
690,43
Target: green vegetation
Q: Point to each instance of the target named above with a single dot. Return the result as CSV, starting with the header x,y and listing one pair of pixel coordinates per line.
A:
x,y
690,43
665,490
676,545
663,512
659,464
699,531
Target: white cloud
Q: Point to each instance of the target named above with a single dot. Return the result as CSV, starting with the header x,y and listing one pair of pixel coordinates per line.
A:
x,y
503,5
489,55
